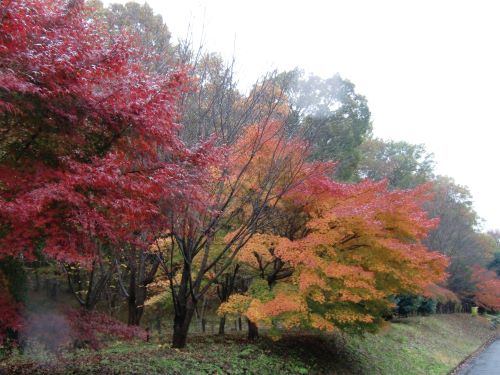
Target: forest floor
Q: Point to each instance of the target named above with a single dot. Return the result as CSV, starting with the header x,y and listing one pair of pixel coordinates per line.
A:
x,y
418,345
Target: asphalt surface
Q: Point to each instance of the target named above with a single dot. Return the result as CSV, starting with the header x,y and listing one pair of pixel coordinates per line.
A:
x,y
486,363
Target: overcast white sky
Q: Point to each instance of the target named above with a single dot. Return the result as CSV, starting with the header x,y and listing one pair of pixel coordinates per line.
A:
x,y
430,69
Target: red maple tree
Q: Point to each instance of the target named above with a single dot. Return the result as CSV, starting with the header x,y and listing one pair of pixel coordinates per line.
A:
x,y
89,150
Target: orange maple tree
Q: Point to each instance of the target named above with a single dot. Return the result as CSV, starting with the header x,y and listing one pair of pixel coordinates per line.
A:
x,y
343,251
254,176
440,294
487,288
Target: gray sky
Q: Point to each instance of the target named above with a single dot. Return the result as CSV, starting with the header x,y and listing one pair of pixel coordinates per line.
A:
x,y
430,69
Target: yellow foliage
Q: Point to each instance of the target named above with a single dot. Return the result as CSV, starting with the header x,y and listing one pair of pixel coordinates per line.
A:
x,y
236,305
292,321
348,316
318,322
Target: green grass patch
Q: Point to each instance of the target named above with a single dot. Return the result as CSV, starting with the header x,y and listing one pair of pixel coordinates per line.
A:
x,y
421,345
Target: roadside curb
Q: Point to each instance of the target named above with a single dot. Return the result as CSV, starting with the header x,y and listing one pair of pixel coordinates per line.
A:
x,y
467,360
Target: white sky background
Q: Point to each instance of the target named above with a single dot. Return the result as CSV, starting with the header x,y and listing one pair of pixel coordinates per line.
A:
x,y
430,69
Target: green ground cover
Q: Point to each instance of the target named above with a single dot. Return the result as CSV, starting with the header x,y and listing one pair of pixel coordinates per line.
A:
x,y
419,345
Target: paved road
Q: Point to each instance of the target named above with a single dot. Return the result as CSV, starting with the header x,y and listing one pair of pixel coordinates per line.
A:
x,y
487,363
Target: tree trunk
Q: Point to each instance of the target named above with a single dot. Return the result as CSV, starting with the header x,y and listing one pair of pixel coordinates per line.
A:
x,y
222,324
158,324
182,320
136,298
203,325
202,315
253,330
37,280
134,312
240,324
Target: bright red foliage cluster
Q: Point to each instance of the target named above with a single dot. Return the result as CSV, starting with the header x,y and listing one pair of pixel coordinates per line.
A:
x,y
90,327
90,149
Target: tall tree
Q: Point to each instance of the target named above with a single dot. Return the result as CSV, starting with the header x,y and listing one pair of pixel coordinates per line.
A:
x,y
214,110
262,166
334,118
457,235
89,153
494,265
148,29
404,165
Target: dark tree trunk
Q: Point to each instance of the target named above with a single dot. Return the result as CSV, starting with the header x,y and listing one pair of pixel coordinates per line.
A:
x,y
240,323
203,325
222,325
97,282
253,330
37,280
158,324
184,305
140,277
203,318
134,313
182,320
136,300
225,288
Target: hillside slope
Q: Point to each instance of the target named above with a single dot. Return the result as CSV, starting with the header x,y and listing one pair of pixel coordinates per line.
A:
x,y
420,345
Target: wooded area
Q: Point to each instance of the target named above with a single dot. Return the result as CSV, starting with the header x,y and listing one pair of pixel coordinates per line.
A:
x,y
137,178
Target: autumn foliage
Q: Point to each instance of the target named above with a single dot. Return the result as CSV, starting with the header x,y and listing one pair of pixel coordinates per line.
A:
x,y
89,152
96,176
75,328
352,248
98,143
487,288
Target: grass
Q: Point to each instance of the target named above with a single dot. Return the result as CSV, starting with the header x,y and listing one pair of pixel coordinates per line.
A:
x,y
420,345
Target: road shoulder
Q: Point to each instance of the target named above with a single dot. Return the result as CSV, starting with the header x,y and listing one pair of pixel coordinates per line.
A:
x,y
463,365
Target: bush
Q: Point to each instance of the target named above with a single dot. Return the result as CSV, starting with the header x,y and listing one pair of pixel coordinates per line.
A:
x,y
410,305
75,328
427,307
